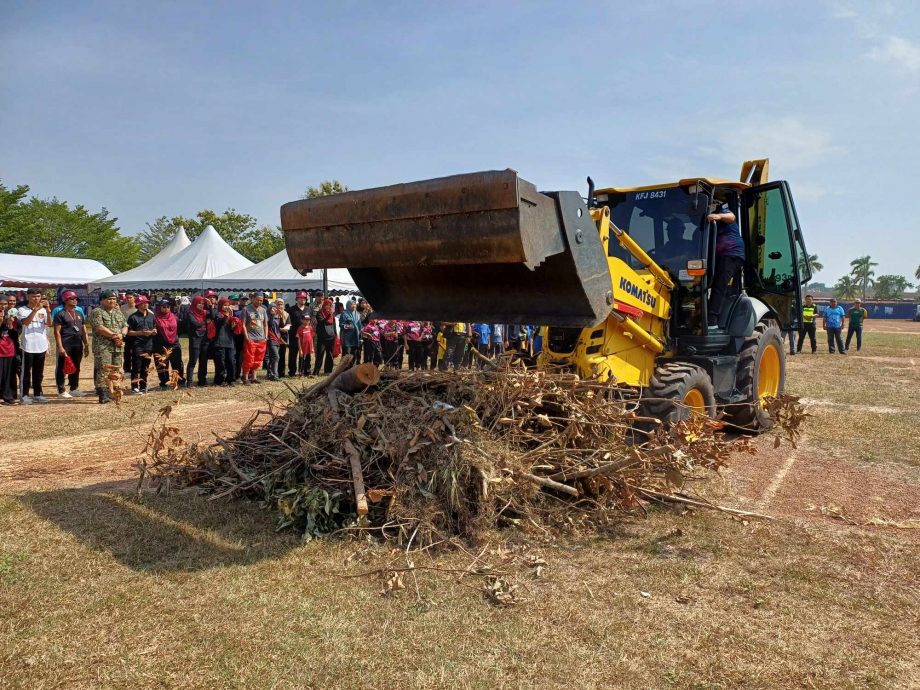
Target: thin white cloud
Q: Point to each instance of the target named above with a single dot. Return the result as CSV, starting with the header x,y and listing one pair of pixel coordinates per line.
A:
x,y
897,51
788,140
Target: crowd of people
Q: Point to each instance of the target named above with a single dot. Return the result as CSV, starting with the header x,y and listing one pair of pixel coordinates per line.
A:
x,y
243,335
238,337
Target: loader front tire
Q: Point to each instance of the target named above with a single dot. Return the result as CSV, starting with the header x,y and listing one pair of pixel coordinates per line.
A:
x,y
678,390
761,374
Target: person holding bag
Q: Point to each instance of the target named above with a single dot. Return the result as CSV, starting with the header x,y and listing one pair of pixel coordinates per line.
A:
x,y
72,344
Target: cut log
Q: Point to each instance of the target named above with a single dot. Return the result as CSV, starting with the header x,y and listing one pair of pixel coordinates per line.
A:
x,y
357,477
357,378
319,387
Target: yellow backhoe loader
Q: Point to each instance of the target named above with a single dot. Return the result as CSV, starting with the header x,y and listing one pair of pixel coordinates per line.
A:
x,y
621,278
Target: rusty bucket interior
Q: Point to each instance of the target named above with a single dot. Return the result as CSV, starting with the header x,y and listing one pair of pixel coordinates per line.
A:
x,y
483,246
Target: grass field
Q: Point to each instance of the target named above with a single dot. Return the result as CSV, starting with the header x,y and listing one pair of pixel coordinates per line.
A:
x,y
100,589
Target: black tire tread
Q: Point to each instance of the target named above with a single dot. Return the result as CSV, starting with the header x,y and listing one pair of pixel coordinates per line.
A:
x,y
669,385
747,415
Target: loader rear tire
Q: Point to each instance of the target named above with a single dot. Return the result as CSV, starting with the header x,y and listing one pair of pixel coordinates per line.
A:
x,y
761,373
678,390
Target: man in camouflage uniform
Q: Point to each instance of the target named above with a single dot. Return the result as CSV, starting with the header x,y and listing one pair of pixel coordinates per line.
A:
x,y
109,328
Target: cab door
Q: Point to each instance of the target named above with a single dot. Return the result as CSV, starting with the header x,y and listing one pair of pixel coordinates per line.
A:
x,y
777,263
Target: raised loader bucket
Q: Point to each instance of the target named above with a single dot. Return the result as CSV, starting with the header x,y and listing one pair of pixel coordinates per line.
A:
x,y
476,247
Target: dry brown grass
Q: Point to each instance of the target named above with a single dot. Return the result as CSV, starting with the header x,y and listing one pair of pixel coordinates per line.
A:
x,y
98,589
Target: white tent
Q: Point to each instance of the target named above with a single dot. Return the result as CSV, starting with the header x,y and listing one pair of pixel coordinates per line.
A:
x,y
193,268
338,279
25,270
152,266
277,273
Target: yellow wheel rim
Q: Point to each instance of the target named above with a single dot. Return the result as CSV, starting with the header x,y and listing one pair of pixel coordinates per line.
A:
x,y
768,375
695,401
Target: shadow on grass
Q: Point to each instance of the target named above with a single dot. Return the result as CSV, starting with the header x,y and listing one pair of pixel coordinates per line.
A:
x,y
182,532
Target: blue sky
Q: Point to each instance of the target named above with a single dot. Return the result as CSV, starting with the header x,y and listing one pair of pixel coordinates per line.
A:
x,y
165,108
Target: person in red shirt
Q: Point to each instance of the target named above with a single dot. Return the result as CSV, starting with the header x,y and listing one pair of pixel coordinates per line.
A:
x,y
9,351
305,338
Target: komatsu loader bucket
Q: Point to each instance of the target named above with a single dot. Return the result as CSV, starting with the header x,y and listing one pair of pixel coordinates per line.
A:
x,y
482,246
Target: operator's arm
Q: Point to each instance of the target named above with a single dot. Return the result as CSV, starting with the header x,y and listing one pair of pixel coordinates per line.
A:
x,y
728,217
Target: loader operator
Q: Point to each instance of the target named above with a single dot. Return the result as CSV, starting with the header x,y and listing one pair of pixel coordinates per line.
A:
x,y
676,247
729,258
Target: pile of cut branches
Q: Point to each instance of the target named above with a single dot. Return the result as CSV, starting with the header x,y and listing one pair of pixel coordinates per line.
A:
x,y
428,456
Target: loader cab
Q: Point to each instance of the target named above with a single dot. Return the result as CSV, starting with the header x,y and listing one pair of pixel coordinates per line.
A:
x,y
669,223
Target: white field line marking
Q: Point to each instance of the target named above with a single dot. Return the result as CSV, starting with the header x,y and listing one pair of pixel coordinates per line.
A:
x,y
877,409
778,479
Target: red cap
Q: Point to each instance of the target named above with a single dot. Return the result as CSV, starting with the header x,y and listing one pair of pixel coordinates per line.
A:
x,y
210,293
141,299
302,293
70,294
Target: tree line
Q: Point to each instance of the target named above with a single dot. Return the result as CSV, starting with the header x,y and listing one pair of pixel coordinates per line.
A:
x,y
51,227
862,281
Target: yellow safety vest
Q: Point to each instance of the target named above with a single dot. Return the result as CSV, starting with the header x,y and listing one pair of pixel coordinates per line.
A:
x,y
808,313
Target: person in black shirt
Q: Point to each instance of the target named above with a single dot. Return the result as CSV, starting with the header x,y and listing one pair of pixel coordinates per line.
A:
x,y
71,340
142,326
300,311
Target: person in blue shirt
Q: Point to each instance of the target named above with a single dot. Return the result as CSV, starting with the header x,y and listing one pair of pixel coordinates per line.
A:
x,y
729,258
482,339
833,323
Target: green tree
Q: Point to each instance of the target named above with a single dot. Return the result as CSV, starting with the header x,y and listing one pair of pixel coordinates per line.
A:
x,y
261,243
847,287
156,236
240,230
890,287
50,227
917,272
862,271
12,216
326,188
813,262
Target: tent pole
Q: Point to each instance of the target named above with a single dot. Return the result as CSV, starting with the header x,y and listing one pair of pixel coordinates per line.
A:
x,y
325,282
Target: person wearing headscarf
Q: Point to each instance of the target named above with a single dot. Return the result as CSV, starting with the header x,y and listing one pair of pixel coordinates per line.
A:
x,y
391,340
350,329
370,334
412,339
9,352
196,325
226,326
166,341
325,338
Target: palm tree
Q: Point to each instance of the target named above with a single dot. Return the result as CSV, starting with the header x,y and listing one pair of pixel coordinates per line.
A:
x,y
812,262
917,272
862,271
847,287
